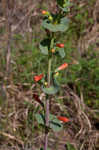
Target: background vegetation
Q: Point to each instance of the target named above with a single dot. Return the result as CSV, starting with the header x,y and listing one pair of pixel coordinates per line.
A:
x,y
78,98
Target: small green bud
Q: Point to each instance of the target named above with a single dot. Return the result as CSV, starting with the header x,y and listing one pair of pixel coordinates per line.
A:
x,y
50,18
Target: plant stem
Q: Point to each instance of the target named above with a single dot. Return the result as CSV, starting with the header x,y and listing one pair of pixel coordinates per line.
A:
x,y
47,107
49,71
46,124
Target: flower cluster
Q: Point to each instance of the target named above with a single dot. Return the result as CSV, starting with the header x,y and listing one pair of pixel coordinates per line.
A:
x,y
50,46
39,77
46,13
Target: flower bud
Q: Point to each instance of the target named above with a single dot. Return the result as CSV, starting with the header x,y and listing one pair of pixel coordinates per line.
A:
x,y
62,67
45,83
44,12
53,50
56,74
63,119
50,18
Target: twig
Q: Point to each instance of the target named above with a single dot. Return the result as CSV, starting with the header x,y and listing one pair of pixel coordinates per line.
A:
x,y
23,18
12,137
79,103
9,35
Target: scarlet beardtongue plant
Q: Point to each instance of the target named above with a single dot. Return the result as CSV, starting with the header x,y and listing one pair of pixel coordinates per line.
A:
x,y
49,46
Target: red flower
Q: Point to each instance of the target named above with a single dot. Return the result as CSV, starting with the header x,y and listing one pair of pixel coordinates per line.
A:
x,y
60,45
35,96
63,119
62,67
39,77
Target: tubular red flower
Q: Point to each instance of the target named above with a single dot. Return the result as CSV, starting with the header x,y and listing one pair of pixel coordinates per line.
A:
x,y
36,97
62,67
60,45
63,119
38,78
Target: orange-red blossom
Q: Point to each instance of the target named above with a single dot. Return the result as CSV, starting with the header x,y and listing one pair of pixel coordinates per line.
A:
x,y
63,119
60,45
44,12
38,78
62,67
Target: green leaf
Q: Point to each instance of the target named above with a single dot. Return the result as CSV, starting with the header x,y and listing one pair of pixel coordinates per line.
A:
x,y
65,9
63,26
55,124
40,118
44,50
51,90
70,146
76,67
64,21
61,52
44,46
60,2
56,83
64,5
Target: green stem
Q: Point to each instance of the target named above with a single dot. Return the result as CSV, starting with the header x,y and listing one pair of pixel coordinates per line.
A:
x,y
48,97
47,106
49,71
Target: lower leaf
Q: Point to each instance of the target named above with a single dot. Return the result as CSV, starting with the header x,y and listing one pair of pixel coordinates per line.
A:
x,y
51,90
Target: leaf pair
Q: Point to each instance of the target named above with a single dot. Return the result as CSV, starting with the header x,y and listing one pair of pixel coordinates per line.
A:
x,y
62,26
45,46
54,123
